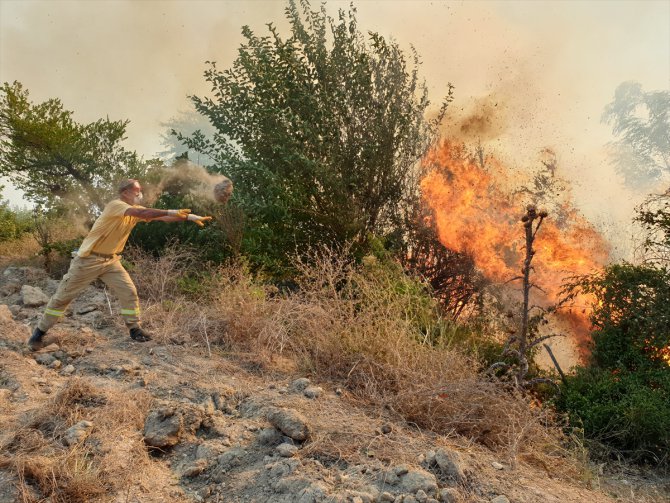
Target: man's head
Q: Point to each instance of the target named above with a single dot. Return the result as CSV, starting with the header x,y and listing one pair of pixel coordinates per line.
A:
x,y
130,191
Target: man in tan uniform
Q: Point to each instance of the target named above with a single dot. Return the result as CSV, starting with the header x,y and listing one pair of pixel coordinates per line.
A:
x,y
98,257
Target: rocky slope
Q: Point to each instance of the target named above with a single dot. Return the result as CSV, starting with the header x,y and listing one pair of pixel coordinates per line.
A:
x,y
96,417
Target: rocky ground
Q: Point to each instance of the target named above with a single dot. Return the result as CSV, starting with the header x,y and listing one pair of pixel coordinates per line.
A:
x,y
96,417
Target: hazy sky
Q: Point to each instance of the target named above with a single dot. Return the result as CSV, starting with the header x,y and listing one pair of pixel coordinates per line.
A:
x,y
550,66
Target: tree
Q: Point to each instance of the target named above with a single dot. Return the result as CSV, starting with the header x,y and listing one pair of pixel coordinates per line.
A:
x,y
321,132
622,398
185,123
641,121
523,341
58,162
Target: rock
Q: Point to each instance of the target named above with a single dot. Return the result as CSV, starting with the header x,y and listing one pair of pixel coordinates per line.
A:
x,y
6,315
269,436
195,469
88,308
210,449
313,392
10,288
409,499
432,500
77,433
421,496
68,370
497,465
449,464
231,458
51,348
500,499
386,496
450,495
45,359
287,450
418,480
386,429
216,425
56,364
300,384
5,394
33,296
400,470
290,422
162,428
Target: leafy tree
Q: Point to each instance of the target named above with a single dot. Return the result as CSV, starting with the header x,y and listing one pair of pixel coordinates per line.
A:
x,y
186,123
13,223
622,398
321,131
641,121
654,216
58,162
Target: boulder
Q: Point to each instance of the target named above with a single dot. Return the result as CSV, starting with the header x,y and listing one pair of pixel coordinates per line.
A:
x,y
33,296
287,450
449,463
313,392
290,422
300,384
163,428
418,480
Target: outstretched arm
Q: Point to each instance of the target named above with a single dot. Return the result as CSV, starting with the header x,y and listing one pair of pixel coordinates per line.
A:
x,y
150,214
156,214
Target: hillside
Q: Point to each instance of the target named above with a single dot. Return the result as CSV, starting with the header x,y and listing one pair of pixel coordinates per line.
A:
x,y
95,417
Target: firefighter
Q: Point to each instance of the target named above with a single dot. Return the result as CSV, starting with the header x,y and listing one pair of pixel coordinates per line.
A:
x,y
98,257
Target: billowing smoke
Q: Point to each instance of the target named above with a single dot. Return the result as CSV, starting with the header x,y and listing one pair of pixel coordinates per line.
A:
x,y
187,178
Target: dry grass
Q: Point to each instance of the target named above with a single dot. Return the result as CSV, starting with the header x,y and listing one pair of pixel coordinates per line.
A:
x,y
112,459
356,327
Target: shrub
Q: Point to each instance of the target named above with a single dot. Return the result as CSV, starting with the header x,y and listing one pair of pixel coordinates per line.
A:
x,y
622,398
13,223
368,328
628,412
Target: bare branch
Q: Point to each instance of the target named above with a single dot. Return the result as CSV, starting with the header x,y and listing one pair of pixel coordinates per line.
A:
x,y
543,338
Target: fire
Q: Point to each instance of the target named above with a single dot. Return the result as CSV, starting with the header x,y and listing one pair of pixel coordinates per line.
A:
x,y
477,210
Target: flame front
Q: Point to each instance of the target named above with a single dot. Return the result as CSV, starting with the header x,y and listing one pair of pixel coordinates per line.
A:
x,y
477,211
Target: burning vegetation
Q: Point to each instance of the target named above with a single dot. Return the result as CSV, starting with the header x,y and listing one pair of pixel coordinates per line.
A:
x,y
476,202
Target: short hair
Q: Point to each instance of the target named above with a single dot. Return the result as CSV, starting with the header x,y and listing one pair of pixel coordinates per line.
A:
x,y
126,184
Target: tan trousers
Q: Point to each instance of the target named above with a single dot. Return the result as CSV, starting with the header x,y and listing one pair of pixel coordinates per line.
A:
x,y
82,272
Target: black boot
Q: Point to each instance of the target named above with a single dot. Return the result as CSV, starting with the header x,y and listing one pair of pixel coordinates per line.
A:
x,y
139,335
36,340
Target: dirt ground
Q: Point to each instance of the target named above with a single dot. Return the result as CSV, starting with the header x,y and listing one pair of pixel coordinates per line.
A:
x,y
223,448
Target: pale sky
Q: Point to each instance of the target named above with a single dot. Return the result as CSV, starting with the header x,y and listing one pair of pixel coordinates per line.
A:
x,y
551,65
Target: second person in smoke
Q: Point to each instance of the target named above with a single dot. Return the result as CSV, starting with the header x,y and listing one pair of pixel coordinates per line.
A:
x,y
98,257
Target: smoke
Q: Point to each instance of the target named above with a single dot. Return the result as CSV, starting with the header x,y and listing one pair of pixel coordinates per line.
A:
x,y
185,178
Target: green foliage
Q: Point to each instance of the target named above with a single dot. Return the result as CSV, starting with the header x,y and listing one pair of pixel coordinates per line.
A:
x,y
320,132
631,316
622,398
210,242
628,412
13,223
641,121
58,162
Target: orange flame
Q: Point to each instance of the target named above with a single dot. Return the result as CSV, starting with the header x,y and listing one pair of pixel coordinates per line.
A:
x,y
477,211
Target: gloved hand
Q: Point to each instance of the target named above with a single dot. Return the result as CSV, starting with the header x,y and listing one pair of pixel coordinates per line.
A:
x,y
183,213
198,220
